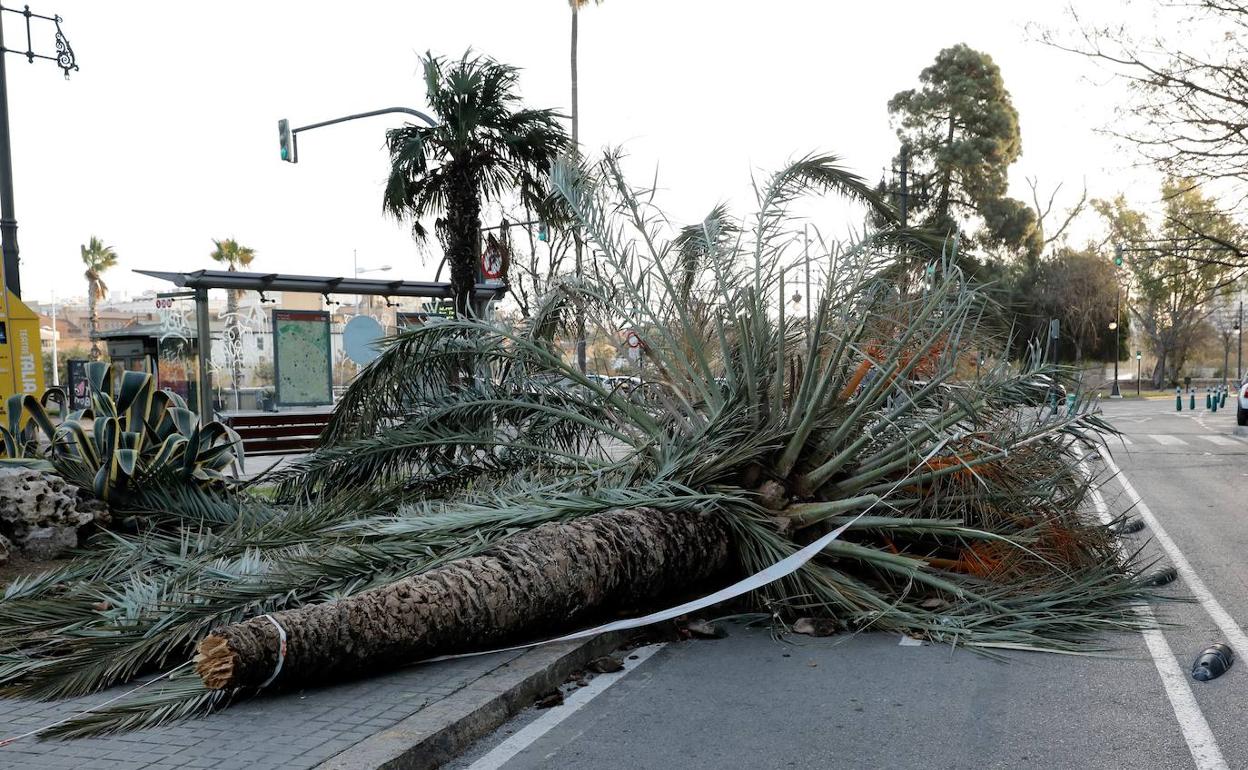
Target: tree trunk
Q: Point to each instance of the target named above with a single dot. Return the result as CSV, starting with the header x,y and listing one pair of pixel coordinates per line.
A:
x,y
532,584
947,178
233,340
463,213
94,319
1159,370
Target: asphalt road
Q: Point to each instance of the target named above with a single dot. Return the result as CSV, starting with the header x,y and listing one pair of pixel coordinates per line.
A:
x,y
868,701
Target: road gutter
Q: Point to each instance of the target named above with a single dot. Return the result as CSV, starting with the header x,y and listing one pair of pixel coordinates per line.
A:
x,y
437,733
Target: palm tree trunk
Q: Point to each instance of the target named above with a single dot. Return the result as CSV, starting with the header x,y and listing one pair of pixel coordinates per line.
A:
x,y
93,319
234,342
463,213
532,584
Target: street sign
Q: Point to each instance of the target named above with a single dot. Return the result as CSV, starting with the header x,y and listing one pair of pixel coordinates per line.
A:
x,y
494,260
634,340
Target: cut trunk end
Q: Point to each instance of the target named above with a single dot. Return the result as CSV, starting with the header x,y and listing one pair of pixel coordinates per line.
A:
x,y
214,662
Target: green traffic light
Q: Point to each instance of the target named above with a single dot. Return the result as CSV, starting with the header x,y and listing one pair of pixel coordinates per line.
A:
x,y
285,153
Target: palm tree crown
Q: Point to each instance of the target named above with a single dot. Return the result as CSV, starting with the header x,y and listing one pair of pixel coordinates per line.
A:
x,y
486,145
98,258
230,252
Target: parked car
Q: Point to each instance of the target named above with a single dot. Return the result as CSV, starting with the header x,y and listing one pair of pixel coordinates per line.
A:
x,y
1042,389
1241,412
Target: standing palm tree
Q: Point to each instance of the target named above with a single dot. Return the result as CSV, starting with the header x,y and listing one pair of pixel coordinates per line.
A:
x,y
98,258
231,253
580,248
485,145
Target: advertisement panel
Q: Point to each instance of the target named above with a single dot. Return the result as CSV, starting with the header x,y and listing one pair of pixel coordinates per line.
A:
x,y
301,358
21,357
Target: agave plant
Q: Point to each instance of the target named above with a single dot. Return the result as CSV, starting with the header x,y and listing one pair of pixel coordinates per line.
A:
x,y
454,511
130,442
28,421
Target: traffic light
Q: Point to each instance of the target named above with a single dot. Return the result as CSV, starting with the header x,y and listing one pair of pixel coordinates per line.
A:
x,y
543,232
287,140
1118,256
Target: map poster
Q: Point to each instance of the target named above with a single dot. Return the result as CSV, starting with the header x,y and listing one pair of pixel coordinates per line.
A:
x,y
302,358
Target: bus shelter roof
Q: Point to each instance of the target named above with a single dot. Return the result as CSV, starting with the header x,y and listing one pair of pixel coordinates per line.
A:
x,y
315,284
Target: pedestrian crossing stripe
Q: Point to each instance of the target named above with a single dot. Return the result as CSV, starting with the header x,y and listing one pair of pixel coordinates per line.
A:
x,y
1221,440
1161,438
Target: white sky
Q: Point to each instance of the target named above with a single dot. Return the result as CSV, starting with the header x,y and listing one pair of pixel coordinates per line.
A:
x,y
167,136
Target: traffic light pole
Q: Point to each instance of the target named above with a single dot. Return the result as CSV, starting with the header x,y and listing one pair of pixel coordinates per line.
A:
x,y
1115,392
64,59
294,132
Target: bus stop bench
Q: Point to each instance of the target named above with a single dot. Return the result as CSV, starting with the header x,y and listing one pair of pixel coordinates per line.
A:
x,y
278,433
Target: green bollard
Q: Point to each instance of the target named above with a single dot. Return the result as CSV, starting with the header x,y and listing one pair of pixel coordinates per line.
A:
x,y
1070,404
1216,398
1223,404
1178,399
1208,402
1192,405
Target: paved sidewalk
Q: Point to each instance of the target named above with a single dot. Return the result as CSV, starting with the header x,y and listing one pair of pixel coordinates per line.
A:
x,y
290,731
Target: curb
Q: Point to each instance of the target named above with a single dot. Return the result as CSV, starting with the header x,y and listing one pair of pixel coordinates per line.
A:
x,y
440,731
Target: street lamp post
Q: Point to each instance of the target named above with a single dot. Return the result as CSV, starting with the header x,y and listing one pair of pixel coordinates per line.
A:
x,y
1114,391
355,265
1239,345
1138,355
64,59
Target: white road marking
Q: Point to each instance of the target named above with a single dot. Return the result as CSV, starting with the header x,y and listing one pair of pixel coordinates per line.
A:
x,y
1221,440
1192,723
909,641
526,736
1234,634
1126,440
1162,438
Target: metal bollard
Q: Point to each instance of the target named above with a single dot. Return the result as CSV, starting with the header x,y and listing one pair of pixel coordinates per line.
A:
x,y
1223,404
1192,391
1208,399
1216,398
1178,399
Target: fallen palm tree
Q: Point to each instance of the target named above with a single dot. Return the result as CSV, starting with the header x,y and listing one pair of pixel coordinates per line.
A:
x,y
450,512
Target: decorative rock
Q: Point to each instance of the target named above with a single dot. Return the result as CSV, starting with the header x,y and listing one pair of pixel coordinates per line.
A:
x,y
49,542
40,513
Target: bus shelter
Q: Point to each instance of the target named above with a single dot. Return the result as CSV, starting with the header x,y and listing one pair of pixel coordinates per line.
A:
x,y
298,350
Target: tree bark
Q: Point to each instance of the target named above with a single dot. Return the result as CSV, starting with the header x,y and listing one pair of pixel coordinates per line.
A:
x,y
463,213
94,317
532,584
233,341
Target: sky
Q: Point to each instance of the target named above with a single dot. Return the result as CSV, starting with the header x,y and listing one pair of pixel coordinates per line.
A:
x,y
167,136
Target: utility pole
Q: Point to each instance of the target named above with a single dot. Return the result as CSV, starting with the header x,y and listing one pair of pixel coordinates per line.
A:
x,y
64,59
1115,392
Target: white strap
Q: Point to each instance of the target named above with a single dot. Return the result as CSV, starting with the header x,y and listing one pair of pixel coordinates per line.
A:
x,y
281,650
